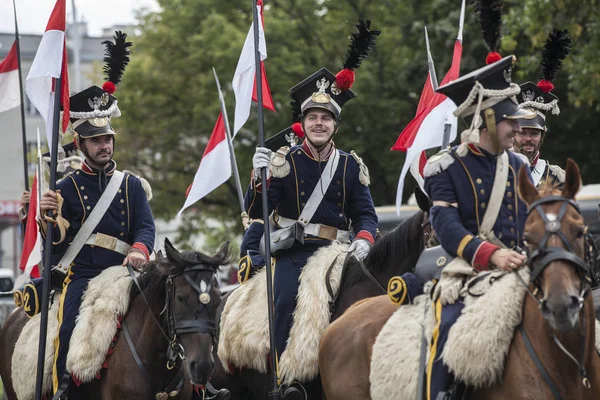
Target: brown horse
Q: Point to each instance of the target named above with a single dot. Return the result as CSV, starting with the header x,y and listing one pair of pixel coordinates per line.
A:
x,y
393,254
171,329
559,309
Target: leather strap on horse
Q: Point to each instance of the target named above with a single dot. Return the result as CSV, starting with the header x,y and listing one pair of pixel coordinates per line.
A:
x,y
137,284
176,383
539,365
368,273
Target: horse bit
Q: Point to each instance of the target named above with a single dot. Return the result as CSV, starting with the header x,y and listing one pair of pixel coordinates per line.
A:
x,y
539,260
174,327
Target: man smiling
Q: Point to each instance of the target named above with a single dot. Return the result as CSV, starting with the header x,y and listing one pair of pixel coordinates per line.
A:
x,y
315,189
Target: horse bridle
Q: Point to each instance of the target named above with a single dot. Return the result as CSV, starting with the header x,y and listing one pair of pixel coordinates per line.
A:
x,y
538,260
174,327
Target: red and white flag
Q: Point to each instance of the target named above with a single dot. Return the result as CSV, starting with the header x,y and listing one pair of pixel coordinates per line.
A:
x,y
50,63
244,79
31,255
426,130
215,166
10,96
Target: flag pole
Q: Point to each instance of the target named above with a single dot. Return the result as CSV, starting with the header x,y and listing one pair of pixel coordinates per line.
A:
x,y
459,37
432,74
48,246
236,174
274,393
23,128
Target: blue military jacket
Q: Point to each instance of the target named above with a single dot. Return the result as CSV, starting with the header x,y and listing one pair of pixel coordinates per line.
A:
x,y
346,204
467,182
128,218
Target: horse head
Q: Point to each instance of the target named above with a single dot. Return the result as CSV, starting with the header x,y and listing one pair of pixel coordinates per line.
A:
x,y
554,237
193,296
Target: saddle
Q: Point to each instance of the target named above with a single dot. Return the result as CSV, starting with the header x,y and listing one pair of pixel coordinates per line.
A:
x,y
104,303
477,345
244,334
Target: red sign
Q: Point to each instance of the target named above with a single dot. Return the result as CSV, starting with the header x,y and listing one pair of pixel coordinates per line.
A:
x,y
9,208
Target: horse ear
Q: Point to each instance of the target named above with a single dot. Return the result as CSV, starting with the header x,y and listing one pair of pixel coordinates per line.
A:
x,y
173,254
223,251
572,180
527,191
159,255
423,200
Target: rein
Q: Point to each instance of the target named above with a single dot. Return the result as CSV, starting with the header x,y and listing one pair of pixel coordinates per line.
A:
x,y
539,260
174,327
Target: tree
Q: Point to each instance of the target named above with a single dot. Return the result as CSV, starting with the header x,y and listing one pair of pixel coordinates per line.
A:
x,y
170,103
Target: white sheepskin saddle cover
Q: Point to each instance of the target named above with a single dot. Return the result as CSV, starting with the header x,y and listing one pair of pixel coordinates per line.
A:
x,y
477,345
105,300
244,326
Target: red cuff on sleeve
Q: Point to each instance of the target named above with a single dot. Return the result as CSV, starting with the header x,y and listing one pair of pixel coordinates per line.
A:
x,y
142,247
365,235
481,260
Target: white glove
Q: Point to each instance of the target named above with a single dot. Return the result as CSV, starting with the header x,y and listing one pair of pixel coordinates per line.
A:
x,y
261,159
361,248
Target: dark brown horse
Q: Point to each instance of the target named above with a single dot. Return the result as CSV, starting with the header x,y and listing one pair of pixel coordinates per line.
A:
x,y
559,309
171,325
393,254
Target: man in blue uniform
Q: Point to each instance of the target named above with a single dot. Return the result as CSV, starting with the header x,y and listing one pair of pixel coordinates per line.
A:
x,y
124,234
539,99
298,173
467,181
251,259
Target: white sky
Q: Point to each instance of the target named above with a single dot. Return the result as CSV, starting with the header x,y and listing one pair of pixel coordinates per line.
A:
x,y
33,14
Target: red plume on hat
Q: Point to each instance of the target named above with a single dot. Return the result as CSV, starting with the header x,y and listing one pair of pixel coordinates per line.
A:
x,y
489,13
116,58
361,43
556,48
296,117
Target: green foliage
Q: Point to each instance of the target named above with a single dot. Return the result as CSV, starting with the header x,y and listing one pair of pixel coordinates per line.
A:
x,y
170,103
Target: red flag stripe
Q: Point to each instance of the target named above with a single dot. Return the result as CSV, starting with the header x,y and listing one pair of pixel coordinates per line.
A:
x,y
57,19
31,230
10,63
217,136
266,91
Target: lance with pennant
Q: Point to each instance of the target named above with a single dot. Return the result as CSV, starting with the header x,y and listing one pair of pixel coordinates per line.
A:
x,y
274,393
48,246
234,167
23,128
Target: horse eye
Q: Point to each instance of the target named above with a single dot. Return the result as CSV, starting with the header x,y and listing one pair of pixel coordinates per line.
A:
x,y
180,298
580,233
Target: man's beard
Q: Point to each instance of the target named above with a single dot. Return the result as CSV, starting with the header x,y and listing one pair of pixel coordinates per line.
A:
x,y
529,154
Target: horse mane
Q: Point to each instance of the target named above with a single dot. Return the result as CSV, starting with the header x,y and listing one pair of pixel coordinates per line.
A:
x,y
154,276
549,189
403,240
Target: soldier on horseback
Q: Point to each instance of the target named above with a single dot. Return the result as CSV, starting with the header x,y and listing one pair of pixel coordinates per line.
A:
x,y
476,212
102,216
539,100
318,193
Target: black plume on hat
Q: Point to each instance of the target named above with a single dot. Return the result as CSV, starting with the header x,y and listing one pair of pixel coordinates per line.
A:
x,y
556,49
489,13
116,58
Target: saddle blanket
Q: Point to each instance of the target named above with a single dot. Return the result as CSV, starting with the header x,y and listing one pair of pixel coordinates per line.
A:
x,y
244,326
104,302
475,356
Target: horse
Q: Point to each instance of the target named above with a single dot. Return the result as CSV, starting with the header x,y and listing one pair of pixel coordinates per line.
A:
x,y
558,315
169,332
392,254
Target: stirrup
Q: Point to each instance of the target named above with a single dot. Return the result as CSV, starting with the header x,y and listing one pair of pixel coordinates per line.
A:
x,y
295,391
217,394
